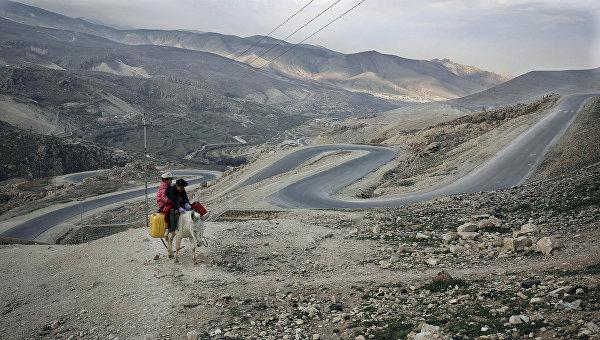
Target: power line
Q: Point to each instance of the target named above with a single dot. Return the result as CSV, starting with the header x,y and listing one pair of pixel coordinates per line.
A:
x,y
259,41
291,34
313,34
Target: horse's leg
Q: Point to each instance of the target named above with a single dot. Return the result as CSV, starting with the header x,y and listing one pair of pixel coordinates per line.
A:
x,y
177,246
170,245
194,257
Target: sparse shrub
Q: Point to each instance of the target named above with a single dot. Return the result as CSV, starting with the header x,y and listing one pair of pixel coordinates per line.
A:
x,y
443,285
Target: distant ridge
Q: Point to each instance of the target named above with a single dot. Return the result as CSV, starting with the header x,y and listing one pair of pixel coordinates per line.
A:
x,y
532,85
385,76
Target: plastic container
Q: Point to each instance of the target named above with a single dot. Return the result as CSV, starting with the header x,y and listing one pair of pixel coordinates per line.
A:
x,y
158,226
199,208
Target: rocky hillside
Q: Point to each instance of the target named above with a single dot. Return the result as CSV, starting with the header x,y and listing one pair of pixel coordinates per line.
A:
x,y
26,154
472,73
89,87
518,263
385,76
450,149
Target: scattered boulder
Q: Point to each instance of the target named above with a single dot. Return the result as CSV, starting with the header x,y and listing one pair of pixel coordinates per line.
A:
x,y
432,261
442,276
385,264
216,332
468,235
336,307
490,222
535,300
530,283
569,305
593,328
546,245
427,332
193,335
560,291
518,319
450,236
517,244
421,236
527,229
456,249
467,227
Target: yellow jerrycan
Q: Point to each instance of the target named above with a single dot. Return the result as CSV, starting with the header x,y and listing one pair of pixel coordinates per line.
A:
x,y
157,225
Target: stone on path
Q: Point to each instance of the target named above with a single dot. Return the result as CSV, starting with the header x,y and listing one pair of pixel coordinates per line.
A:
x,y
467,227
527,229
546,245
517,244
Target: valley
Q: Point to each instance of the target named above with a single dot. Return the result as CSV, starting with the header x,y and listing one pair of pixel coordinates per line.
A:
x,y
352,195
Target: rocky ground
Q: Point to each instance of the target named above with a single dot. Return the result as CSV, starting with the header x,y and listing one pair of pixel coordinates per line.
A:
x,y
517,263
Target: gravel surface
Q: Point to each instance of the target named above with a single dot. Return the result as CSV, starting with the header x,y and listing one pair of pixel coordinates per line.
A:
x,y
331,275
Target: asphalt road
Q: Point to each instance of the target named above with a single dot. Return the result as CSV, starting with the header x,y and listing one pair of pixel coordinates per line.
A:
x,y
34,227
510,167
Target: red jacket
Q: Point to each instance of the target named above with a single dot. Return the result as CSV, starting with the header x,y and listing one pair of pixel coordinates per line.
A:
x,y
161,195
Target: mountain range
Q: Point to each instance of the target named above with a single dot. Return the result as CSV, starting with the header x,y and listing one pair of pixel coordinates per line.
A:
x,y
382,75
85,83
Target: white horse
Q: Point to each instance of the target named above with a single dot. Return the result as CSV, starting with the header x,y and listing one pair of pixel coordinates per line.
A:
x,y
191,226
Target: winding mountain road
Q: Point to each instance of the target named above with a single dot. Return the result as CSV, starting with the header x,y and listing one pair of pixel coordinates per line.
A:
x,y
509,167
32,228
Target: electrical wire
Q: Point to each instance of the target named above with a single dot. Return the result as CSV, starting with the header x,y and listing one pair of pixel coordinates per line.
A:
x,y
230,60
291,34
313,34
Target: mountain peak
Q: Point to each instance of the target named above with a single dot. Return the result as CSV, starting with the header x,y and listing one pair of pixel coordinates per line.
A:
x,y
462,70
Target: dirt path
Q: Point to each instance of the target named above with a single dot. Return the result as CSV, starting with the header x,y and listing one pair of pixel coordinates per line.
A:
x,y
113,287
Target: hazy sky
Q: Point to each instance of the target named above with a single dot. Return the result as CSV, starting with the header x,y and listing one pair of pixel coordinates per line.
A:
x,y
499,35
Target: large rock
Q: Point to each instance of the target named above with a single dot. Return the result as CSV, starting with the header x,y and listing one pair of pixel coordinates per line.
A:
x,y
428,332
546,245
518,319
490,222
467,227
468,235
450,236
527,229
593,328
517,244
456,249
193,335
442,276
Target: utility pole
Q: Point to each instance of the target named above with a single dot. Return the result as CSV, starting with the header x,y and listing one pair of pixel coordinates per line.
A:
x,y
80,200
145,170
